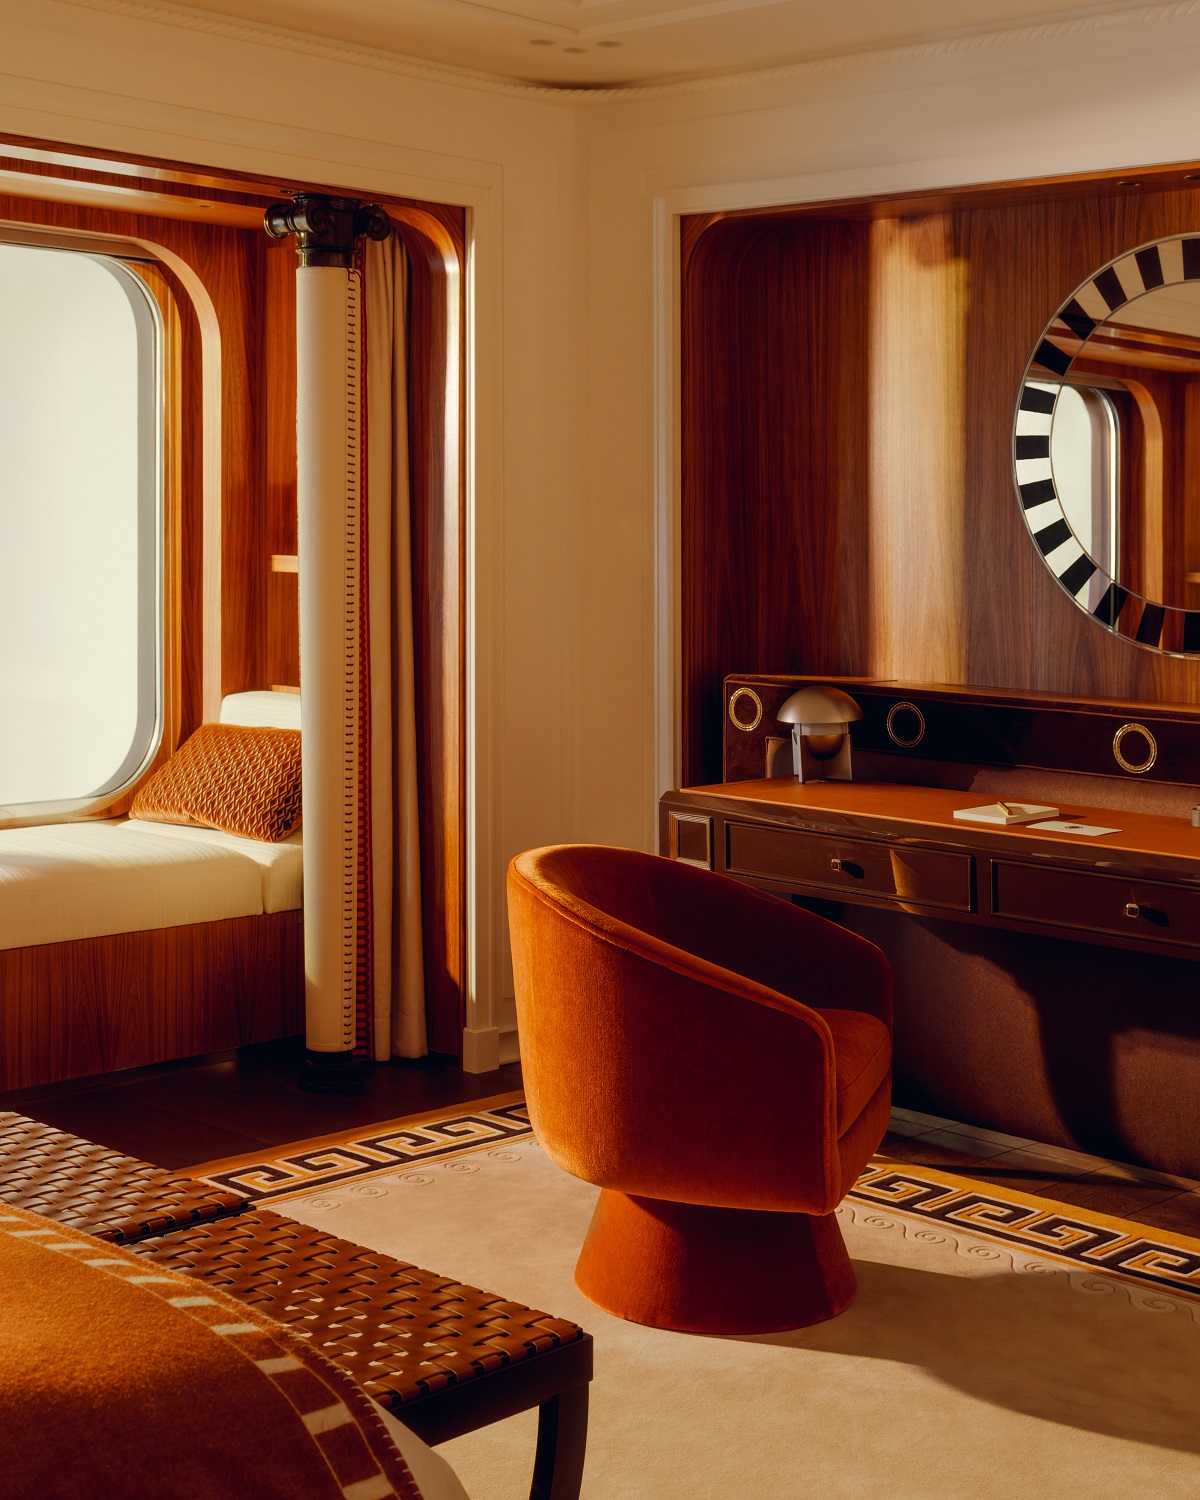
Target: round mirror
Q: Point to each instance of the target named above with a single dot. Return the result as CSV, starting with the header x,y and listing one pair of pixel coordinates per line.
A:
x,y
1106,445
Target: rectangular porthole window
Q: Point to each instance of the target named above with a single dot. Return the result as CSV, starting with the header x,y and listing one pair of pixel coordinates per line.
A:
x,y
81,515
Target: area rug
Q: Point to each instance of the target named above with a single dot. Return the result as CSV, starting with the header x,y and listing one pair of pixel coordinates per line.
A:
x,y
355,1156
1000,1345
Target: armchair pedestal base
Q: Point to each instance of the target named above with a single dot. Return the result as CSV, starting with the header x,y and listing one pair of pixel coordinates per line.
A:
x,y
699,1269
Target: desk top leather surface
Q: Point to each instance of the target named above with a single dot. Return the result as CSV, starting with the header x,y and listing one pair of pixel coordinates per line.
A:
x,y
924,812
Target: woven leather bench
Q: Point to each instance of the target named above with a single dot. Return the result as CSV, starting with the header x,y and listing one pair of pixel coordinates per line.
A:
x,y
444,1357
90,1188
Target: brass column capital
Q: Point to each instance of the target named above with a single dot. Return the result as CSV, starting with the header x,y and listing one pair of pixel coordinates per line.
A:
x,y
326,228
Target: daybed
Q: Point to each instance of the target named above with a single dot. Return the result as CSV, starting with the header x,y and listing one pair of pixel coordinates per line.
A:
x,y
128,942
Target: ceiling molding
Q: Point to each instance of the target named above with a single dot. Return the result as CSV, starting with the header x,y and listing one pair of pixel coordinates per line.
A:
x,y
1102,18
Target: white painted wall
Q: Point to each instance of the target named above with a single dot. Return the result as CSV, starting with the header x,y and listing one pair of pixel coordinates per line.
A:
x,y
574,205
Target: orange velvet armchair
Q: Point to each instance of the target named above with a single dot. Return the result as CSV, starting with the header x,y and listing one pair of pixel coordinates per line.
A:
x,y
718,1063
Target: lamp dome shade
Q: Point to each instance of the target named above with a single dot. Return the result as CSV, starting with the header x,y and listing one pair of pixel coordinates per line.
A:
x,y
816,708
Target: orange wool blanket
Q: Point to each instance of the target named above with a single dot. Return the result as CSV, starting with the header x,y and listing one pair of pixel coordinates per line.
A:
x,y
118,1378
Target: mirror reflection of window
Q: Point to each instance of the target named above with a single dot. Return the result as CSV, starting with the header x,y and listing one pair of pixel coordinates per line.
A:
x,y
1116,428
1085,461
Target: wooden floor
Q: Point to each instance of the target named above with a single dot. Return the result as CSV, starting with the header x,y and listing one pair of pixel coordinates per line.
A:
x,y
1111,1188
180,1114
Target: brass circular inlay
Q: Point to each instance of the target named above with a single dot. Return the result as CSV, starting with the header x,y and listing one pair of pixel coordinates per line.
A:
x,y
909,708
734,697
1127,765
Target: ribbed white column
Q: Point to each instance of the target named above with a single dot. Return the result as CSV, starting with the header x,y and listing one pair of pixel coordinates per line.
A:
x,y
328,433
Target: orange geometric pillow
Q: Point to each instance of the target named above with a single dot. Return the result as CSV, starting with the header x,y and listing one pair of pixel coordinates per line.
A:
x,y
229,776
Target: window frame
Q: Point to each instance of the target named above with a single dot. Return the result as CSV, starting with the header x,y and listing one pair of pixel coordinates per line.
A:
x,y
120,260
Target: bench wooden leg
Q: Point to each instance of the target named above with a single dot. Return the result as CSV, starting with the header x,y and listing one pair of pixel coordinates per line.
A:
x,y
561,1443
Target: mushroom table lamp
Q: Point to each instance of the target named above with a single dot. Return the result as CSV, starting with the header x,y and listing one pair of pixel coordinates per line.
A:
x,y
820,718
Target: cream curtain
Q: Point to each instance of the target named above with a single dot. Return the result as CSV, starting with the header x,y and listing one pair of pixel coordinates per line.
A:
x,y
397,948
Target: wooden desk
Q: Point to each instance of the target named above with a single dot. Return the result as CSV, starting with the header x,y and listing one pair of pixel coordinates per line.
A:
x,y
1045,983
899,847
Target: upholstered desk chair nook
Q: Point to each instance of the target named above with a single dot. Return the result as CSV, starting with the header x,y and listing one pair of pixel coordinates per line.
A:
x,y
718,1062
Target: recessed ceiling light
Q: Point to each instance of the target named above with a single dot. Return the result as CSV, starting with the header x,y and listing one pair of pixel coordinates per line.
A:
x,y
542,41
608,44
575,49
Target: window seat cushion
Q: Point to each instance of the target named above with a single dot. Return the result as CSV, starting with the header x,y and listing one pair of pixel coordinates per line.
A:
x,y
281,865
64,881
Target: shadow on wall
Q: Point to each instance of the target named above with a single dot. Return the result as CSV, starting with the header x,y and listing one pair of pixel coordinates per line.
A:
x,y
1097,1049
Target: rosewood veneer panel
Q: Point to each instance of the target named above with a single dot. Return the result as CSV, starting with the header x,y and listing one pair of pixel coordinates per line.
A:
x,y
68,1010
774,463
436,245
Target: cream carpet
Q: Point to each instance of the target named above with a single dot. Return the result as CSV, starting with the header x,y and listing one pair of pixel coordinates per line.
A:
x,y
964,1371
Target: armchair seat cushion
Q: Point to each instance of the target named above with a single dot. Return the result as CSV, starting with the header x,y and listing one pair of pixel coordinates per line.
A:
x,y
862,1050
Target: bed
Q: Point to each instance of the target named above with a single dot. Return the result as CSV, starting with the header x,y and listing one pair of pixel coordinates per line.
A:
x,y
126,942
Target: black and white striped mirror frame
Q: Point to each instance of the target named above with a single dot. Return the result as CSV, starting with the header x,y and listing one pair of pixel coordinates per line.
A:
x,y
1145,622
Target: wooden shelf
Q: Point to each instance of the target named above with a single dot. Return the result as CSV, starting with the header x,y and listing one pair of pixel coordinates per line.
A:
x,y
284,562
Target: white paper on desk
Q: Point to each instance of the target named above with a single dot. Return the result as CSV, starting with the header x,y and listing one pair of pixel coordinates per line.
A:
x,y
1060,825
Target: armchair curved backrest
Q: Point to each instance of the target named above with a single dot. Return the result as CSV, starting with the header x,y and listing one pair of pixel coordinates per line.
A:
x,y
669,1026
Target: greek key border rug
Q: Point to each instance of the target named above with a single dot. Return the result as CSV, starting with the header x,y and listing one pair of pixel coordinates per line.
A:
x,y
350,1157
1153,1259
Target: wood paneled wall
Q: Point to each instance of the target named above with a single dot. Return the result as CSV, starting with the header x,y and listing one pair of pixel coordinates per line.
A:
x,y
912,532
775,458
849,381
282,644
435,240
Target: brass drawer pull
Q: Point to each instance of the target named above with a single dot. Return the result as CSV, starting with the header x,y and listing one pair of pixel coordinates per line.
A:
x,y
1132,909
835,863
845,867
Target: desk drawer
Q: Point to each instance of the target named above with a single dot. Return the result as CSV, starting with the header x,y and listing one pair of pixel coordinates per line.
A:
x,y
922,877
1144,909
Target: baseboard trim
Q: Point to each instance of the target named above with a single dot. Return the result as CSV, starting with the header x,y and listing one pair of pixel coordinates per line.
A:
x,y
481,1049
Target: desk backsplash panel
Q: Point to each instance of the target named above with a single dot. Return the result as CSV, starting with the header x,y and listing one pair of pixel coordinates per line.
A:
x,y
979,728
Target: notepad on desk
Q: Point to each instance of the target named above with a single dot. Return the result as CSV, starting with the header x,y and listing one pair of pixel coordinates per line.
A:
x,y
1006,813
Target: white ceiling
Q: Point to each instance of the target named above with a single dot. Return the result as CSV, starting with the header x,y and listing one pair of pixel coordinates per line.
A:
x,y
582,43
